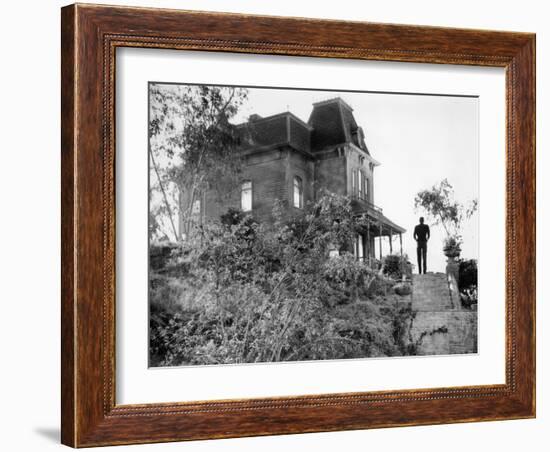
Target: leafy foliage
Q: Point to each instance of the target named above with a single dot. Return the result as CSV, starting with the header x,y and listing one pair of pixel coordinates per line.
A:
x,y
249,292
467,282
439,205
192,149
396,266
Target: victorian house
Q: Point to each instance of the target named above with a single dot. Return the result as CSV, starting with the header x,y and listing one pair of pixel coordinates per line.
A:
x,y
289,160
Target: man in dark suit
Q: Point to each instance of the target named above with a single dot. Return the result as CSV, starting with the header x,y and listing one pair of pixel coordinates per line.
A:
x,y
421,235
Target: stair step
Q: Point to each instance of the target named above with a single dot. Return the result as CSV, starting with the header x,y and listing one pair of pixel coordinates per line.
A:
x,y
431,292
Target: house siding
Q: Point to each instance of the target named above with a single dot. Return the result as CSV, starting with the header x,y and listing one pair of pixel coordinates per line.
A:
x,y
323,153
303,167
331,173
354,163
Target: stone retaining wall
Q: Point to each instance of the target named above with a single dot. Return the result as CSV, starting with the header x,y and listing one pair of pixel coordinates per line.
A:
x,y
439,326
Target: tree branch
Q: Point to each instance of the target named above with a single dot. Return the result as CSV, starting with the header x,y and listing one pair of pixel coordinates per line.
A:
x,y
176,236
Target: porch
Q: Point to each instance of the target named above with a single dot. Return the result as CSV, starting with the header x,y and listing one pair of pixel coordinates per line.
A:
x,y
368,244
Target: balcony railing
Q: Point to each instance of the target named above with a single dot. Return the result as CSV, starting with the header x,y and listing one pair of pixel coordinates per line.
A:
x,y
364,204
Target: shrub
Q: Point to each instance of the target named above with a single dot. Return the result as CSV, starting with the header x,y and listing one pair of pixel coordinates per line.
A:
x,y
346,275
252,293
467,282
467,274
395,266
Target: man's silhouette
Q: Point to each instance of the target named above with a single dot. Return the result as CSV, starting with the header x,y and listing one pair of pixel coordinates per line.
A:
x,y
421,235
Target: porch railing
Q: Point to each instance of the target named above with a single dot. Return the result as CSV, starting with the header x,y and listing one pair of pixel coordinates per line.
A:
x,y
364,204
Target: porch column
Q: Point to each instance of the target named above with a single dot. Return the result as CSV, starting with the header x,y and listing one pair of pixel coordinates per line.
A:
x,y
380,238
403,276
391,241
368,244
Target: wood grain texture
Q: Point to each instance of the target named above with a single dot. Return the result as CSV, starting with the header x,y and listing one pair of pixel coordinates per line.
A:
x,y
90,36
67,225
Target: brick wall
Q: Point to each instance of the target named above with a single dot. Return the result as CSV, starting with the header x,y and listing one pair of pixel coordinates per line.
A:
x,y
445,332
331,172
271,174
303,167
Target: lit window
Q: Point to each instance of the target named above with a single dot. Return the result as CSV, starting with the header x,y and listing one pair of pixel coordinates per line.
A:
x,y
298,192
246,196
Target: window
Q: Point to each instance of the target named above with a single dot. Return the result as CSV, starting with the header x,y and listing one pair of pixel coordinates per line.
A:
x,y
196,210
360,247
298,192
246,196
367,188
353,182
361,185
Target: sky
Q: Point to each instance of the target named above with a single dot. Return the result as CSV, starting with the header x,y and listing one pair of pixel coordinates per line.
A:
x,y
419,140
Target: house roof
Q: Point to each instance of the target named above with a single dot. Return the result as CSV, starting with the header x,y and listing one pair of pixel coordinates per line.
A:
x,y
330,123
280,129
334,123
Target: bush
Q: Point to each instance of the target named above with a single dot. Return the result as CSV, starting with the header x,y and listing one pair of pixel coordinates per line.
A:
x,y
252,293
467,282
467,274
258,331
395,266
348,278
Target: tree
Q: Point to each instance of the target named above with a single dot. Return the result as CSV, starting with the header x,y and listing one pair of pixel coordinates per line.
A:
x,y
192,148
440,207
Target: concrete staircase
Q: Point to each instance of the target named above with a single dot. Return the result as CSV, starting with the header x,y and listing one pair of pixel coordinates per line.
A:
x,y
431,293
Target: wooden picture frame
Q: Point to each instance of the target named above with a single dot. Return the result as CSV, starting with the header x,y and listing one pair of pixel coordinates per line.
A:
x,y
90,36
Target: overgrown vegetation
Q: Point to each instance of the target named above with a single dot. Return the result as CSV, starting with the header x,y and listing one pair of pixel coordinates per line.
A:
x,y
467,282
396,266
238,291
192,148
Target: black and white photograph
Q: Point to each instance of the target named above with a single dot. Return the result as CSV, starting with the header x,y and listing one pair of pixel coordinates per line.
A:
x,y
294,224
